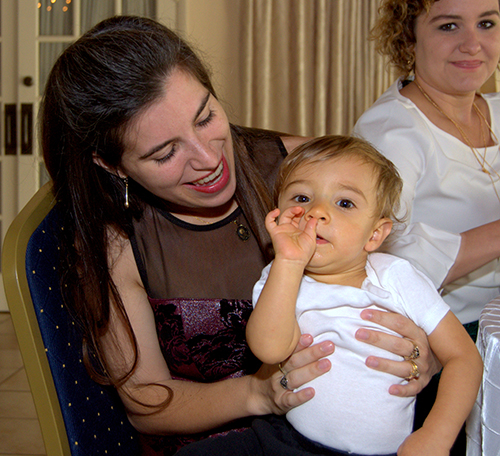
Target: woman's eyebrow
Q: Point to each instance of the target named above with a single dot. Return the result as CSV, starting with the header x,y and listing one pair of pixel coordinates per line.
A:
x,y
490,13
454,17
155,149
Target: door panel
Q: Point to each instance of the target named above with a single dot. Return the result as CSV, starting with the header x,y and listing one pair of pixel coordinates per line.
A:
x,y
32,35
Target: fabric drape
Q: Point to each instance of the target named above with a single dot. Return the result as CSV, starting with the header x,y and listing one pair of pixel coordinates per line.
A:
x,y
308,66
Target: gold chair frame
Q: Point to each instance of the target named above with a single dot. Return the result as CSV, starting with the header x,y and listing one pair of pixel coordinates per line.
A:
x,y
26,324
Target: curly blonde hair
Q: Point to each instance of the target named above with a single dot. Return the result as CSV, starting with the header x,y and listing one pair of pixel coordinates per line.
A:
x,y
394,31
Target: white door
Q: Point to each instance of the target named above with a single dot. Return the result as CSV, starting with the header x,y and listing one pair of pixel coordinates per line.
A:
x,y
32,35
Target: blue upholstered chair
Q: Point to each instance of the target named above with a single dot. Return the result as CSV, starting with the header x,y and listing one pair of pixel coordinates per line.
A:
x,y
77,416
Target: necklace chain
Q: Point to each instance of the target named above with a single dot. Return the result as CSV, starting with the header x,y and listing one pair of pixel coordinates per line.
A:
x,y
241,230
201,220
481,159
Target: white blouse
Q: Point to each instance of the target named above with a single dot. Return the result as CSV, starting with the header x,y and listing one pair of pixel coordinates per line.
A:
x,y
444,193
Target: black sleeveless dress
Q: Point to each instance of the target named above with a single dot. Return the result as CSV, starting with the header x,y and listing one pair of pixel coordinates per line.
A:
x,y
199,281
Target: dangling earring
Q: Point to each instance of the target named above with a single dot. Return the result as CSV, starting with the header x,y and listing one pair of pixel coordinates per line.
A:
x,y
410,63
125,181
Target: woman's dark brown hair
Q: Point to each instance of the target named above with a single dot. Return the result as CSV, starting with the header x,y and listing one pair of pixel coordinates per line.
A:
x,y
97,86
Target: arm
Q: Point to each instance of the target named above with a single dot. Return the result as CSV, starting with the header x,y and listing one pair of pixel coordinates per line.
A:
x,y
479,246
272,330
194,406
458,387
184,413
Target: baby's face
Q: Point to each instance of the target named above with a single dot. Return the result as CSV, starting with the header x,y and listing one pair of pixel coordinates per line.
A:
x,y
341,194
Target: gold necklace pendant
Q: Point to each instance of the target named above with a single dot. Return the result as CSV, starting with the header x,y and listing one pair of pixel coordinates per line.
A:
x,y
242,231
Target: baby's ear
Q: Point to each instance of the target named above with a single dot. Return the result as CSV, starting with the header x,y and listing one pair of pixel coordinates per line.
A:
x,y
381,230
100,162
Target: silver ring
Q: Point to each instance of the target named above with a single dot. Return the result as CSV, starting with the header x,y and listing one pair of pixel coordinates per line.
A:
x,y
284,382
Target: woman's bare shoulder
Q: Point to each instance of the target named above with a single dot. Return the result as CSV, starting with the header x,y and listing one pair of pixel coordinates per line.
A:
x,y
291,142
121,261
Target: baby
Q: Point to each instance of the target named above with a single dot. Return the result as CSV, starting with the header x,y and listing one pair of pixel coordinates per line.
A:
x,y
336,201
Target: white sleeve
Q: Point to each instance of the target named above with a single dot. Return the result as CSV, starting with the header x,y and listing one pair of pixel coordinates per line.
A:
x,y
418,296
400,134
431,250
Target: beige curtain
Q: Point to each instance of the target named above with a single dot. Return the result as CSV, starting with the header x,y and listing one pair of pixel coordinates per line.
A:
x,y
307,66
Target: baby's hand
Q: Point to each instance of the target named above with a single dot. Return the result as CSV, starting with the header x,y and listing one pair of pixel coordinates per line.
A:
x,y
289,241
423,443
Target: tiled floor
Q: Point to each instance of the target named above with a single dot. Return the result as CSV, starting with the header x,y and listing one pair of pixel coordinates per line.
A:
x,y
19,429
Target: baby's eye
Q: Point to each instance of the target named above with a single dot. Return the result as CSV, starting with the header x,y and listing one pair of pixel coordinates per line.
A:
x,y
301,199
346,204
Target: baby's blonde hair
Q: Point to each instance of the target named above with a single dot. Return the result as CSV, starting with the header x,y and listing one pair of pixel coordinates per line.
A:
x,y
389,183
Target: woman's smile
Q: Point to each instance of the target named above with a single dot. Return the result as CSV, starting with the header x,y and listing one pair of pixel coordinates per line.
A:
x,y
468,64
215,181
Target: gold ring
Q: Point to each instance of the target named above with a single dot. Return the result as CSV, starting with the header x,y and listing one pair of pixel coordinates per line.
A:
x,y
414,374
415,353
281,369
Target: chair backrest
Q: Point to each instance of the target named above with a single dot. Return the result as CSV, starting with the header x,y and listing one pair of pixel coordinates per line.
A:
x,y
78,417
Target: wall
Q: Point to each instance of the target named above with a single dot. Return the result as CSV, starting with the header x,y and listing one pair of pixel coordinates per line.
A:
x,y
212,27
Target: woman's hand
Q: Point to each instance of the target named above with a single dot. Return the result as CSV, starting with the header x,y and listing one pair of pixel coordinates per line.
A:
x,y
427,363
305,364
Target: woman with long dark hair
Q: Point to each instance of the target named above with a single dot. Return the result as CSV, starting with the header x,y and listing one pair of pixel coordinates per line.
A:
x,y
163,203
